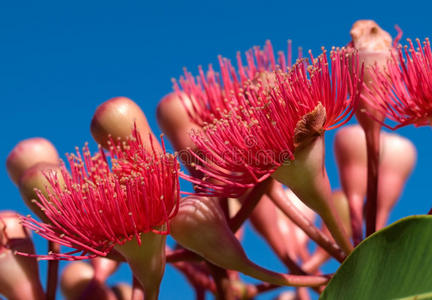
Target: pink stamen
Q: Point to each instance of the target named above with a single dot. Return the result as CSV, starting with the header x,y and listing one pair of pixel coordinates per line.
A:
x,y
96,209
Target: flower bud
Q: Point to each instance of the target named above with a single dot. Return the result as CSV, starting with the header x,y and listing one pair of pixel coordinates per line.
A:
x,y
27,153
35,178
201,227
351,158
265,220
19,275
374,47
350,152
116,118
175,122
301,237
103,268
398,158
288,295
77,282
374,44
75,278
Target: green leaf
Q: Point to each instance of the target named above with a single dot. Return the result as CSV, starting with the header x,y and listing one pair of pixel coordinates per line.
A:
x,y
417,297
393,263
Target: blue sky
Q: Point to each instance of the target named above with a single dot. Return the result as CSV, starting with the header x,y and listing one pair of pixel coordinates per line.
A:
x,y
59,60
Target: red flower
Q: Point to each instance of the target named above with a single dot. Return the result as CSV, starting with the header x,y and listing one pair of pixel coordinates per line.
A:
x,y
269,121
214,95
403,90
96,208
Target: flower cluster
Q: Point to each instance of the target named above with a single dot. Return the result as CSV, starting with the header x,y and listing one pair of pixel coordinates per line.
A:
x,y
252,139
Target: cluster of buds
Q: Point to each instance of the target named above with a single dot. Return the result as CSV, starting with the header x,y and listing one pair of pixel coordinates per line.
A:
x,y
252,141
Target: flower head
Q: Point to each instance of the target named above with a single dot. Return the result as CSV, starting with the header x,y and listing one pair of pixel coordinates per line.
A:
x,y
214,95
403,91
270,122
96,208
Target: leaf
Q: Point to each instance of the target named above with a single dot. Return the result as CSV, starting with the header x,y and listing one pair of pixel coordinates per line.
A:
x,y
393,263
417,297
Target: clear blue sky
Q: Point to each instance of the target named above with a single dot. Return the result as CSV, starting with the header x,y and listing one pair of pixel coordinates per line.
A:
x,y
59,60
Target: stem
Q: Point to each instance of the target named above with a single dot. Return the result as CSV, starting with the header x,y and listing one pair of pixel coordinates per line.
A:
x,y
147,261
303,294
373,148
279,198
182,255
223,286
196,276
223,202
260,273
52,276
307,178
264,219
199,292
356,216
315,261
249,204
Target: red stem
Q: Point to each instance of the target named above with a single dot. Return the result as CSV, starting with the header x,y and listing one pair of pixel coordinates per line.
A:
x,y
52,276
223,286
196,276
315,261
356,216
372,146
249,204
303,294
279,198
181,255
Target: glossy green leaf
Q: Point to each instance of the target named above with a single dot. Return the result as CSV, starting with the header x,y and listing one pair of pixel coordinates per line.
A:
x,y
394,263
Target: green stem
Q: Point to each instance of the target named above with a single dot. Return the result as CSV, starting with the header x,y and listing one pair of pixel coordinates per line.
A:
x,y
307,178
147,261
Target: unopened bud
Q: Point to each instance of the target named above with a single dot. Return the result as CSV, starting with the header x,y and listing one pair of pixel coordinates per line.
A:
x,y
351,157
398,158
201,227
19,275
103,268
175,122
35,179
27,153
116,118
75,278
374,47
77,282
